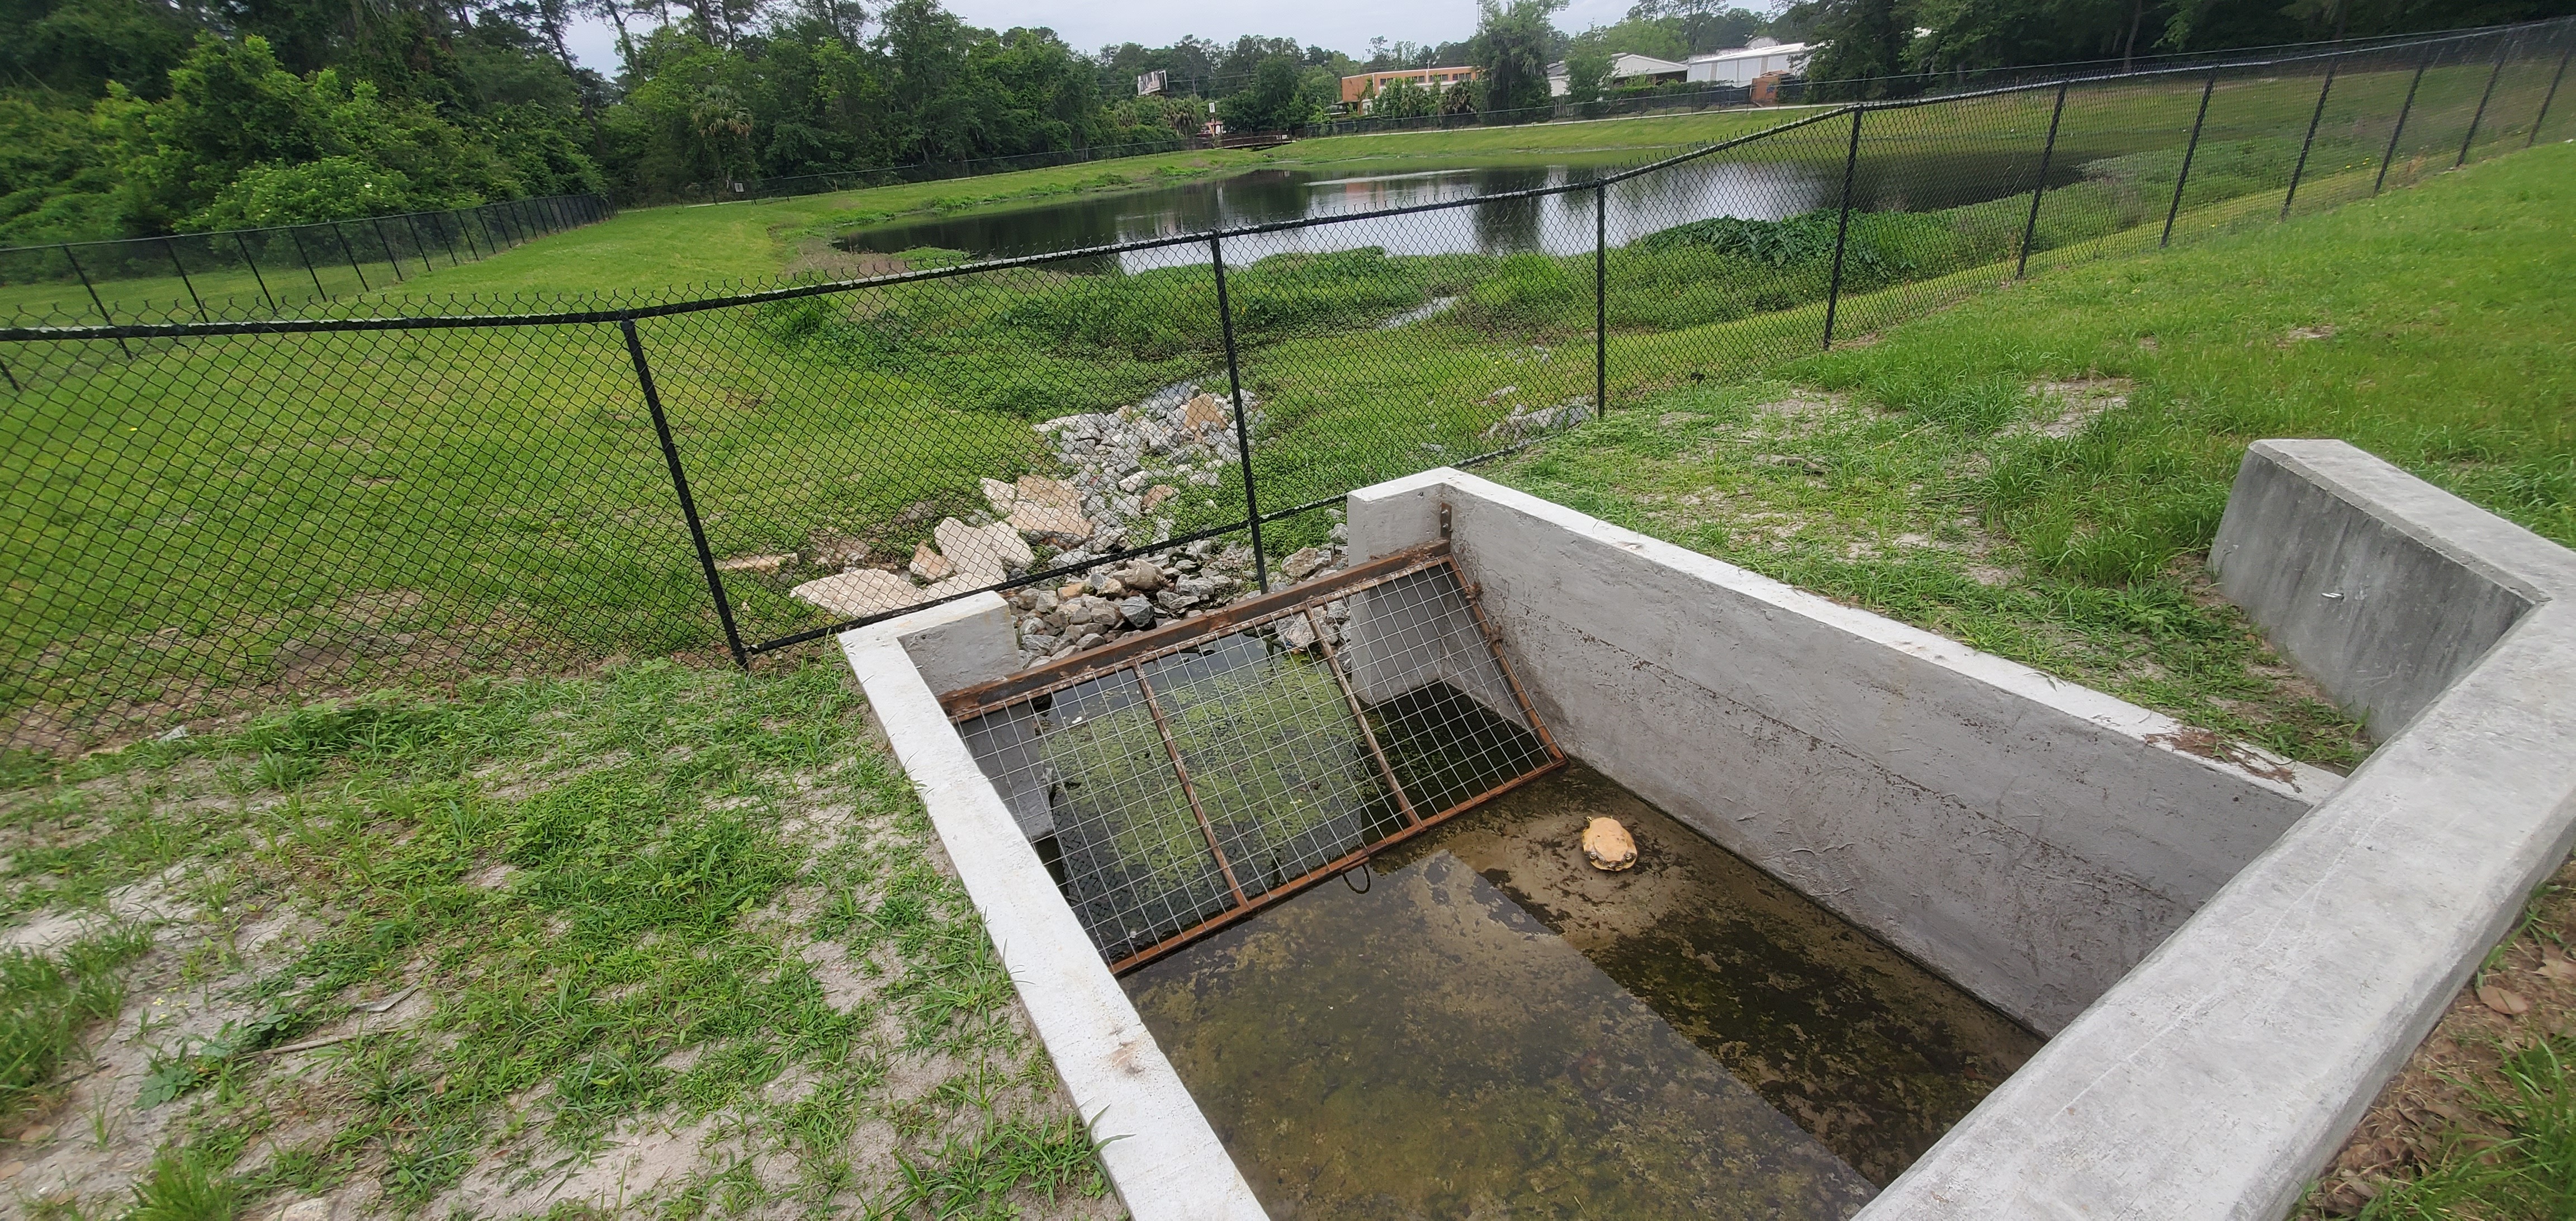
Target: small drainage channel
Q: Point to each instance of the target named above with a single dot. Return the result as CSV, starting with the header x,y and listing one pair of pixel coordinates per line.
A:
x,y
1492,1027
1476,1021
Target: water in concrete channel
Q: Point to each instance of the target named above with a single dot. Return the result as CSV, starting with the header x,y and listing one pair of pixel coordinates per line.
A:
x,y
1493,1026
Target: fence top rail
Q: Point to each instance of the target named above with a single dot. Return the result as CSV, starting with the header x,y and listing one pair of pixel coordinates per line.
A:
x,y
41,247
294,326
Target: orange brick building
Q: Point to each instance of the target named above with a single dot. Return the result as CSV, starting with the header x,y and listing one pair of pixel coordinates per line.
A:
x,y
1366,85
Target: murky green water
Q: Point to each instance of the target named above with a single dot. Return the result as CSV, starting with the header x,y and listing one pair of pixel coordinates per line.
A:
x,y
1496,1028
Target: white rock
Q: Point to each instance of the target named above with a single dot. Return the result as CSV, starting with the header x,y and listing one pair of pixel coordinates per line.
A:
x,y
929,565
860,591
1001,494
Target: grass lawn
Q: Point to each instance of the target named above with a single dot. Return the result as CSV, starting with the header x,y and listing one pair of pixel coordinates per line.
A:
x,y
661,941
686,250
2035,472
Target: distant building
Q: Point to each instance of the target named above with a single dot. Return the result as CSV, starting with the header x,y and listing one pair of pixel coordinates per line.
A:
x,y
1760,57
1150,84
1360,90
1626,71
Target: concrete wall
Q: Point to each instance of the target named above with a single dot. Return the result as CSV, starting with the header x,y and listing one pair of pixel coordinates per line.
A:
x,y
2030,839
2217,1078
2381,587
1161,1155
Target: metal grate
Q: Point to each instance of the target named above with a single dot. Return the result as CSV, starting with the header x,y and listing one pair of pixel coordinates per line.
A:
x,y
1184,778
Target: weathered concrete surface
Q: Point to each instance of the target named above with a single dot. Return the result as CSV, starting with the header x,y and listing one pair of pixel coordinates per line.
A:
x,y
2030,839
2216,1079
1162,1156
2381,587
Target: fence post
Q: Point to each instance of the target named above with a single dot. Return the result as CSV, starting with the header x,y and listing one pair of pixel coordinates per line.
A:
x,y
95,303
1601,299
2188,151
1842,228
1242,427
2504,47
171,248
2047,153
2318,116
2404,109
298,239
438,225
386,240
342,236
465,229
2547,98
253,264
680,484
419,244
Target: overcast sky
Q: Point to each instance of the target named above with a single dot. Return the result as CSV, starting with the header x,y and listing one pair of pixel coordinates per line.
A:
x,y
1342,25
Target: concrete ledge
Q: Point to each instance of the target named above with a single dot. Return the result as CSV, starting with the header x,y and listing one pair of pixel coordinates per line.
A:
x,y
2030,839
1162,1156
2378,585
2217,1078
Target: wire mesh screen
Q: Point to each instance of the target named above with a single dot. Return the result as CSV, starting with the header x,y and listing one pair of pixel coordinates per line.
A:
x,y
1191,782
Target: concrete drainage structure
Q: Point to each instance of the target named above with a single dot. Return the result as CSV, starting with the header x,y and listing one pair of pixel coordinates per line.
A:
x,y
2230,952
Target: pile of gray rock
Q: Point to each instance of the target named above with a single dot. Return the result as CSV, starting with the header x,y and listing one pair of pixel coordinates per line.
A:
x,y
1113,600
1525,420
1125,464
1121,466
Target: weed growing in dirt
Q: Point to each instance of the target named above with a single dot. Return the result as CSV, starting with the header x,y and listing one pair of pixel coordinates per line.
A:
x,y
667,939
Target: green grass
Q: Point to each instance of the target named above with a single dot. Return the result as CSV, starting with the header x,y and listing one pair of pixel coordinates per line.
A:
x,y
2528,1176
2425,326
625,900
470,498
48,1000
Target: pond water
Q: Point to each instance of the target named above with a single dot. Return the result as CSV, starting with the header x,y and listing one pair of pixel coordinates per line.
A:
x,y
1492,1027
1556,224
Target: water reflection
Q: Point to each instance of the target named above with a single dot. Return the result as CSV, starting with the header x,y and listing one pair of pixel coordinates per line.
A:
x,y
1554,224
1558,224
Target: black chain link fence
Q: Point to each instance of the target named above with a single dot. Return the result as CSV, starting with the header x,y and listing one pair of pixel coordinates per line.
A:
x,y
267,272
206,513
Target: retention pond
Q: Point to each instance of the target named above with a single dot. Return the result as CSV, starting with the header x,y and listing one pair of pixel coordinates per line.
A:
x,y
1479,1023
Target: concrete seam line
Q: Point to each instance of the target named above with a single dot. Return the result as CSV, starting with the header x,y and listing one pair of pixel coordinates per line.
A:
x,y
1159,1151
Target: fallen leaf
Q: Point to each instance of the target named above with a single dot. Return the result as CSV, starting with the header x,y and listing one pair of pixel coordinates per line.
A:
x,y
2503,1000
2556,965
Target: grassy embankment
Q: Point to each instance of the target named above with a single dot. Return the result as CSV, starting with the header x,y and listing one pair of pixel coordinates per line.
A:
x,y
2035,472
711,246
873,414
663,940
705,248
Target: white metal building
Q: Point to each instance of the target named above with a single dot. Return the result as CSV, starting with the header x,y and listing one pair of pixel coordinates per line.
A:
x,y
1741,65
1625,69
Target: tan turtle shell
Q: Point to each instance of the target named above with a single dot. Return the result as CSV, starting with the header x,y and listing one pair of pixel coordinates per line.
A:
x,y
1606,844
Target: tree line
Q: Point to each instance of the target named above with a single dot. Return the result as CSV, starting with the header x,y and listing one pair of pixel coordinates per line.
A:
x,y
134,117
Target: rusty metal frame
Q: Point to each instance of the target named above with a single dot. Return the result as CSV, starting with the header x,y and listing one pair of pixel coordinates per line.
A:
x,y
1136,652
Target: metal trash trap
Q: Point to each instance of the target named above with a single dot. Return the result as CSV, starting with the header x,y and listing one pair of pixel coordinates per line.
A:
x,y
1184,778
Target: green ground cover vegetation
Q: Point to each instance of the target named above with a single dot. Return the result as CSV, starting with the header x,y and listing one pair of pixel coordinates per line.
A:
x,y
658,904
872,414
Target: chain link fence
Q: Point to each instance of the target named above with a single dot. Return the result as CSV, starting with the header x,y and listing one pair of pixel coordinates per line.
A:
x,y
268,272
203,514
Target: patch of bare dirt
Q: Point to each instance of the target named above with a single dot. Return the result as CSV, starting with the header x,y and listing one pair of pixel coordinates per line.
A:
x,y
2077,402
818,259
2528,993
